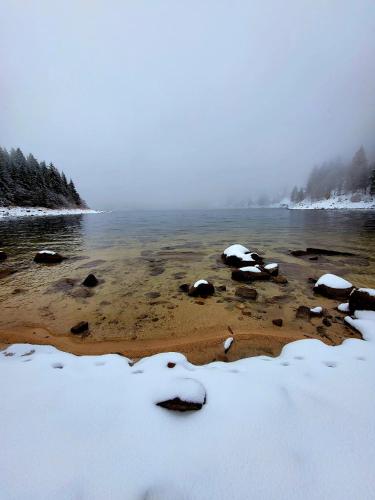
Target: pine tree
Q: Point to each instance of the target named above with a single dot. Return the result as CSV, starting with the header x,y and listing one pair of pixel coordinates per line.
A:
x,y
372,181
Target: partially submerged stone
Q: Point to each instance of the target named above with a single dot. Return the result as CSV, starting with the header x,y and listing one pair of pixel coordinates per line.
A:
x,y
362,299
272,268
48,257
250,273
3,255
201,288
238,256
333,287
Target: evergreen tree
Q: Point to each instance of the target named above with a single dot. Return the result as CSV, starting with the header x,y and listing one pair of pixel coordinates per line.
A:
x,y
372,181
25,182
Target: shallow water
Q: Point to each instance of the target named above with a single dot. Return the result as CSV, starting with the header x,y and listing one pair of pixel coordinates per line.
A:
x,y
141,259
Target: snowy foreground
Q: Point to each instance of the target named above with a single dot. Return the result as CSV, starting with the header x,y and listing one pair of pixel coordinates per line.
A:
x,y
300,426
40,212
335,202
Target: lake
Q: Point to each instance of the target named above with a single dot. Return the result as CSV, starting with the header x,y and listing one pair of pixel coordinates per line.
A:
x,y
142,257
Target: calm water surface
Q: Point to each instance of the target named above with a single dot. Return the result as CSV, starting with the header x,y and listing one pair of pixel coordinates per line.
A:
x,y
142,257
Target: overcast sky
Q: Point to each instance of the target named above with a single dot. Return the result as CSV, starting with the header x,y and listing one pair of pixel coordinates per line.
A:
x,y
186,103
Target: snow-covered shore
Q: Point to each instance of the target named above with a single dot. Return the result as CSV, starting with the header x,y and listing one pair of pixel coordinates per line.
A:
x,y
297,426
42,212
334,203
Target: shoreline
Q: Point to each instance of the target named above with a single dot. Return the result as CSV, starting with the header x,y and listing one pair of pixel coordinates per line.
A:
x,y
6,212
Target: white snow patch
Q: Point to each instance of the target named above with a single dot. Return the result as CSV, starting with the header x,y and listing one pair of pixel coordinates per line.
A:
x,y
369,291
236,250
227,343
251,269
271,266
316,310
343,202
333,281
200,282
343,307
300,425
43,212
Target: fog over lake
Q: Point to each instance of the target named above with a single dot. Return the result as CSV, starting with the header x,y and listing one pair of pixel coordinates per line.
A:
x,y
186,104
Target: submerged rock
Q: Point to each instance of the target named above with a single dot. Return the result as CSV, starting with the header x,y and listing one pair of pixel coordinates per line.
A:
x,y
3,255
184,288
238,255
48,257
80,327
333,287
280,280
303,312
201,288
91,280
362,299
246,293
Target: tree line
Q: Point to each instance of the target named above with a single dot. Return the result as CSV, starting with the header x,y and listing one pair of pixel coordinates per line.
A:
x,y
26,182
337,178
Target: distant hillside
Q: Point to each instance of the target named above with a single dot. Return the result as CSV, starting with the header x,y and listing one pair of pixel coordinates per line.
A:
x,y
26,182
354,181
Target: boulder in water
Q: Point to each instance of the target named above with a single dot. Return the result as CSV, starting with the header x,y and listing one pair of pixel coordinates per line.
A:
x,y
362,299
333,287
48,257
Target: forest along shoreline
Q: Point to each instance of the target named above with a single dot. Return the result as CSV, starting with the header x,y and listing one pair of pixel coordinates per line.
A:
x,y
233,323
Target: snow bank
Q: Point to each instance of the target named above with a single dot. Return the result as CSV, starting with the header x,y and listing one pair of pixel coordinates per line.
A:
x,y
335,203
43,212
333,281
200,282
297,426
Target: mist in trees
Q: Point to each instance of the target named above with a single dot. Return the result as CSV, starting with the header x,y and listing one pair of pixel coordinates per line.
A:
x,y
26,182
337,178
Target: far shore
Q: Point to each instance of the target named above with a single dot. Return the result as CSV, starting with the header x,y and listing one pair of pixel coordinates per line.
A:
x,y
42,212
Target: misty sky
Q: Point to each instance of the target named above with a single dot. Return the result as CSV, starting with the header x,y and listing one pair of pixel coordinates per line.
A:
x,y
180,103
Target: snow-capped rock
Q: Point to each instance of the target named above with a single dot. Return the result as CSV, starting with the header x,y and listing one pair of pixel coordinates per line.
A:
x,y
333,287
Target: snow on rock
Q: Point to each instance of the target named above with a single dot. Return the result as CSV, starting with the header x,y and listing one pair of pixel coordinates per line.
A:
x,y
250,273
300,425
238,255
228,344
343,307
201,288
181,394
272,268
316,311
362,298
333,286
43,212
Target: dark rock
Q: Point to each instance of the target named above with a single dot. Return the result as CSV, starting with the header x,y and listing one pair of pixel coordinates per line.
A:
x,y
4,273
280,280
319,251
277,322
313,258
246,293
248,259
250,275
326,322
221,288
202,290
184,288
361,299
177,404
170,364
155,271
312,280
90,281
303,312
333,293
80,327
46,257
152,295
3,255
